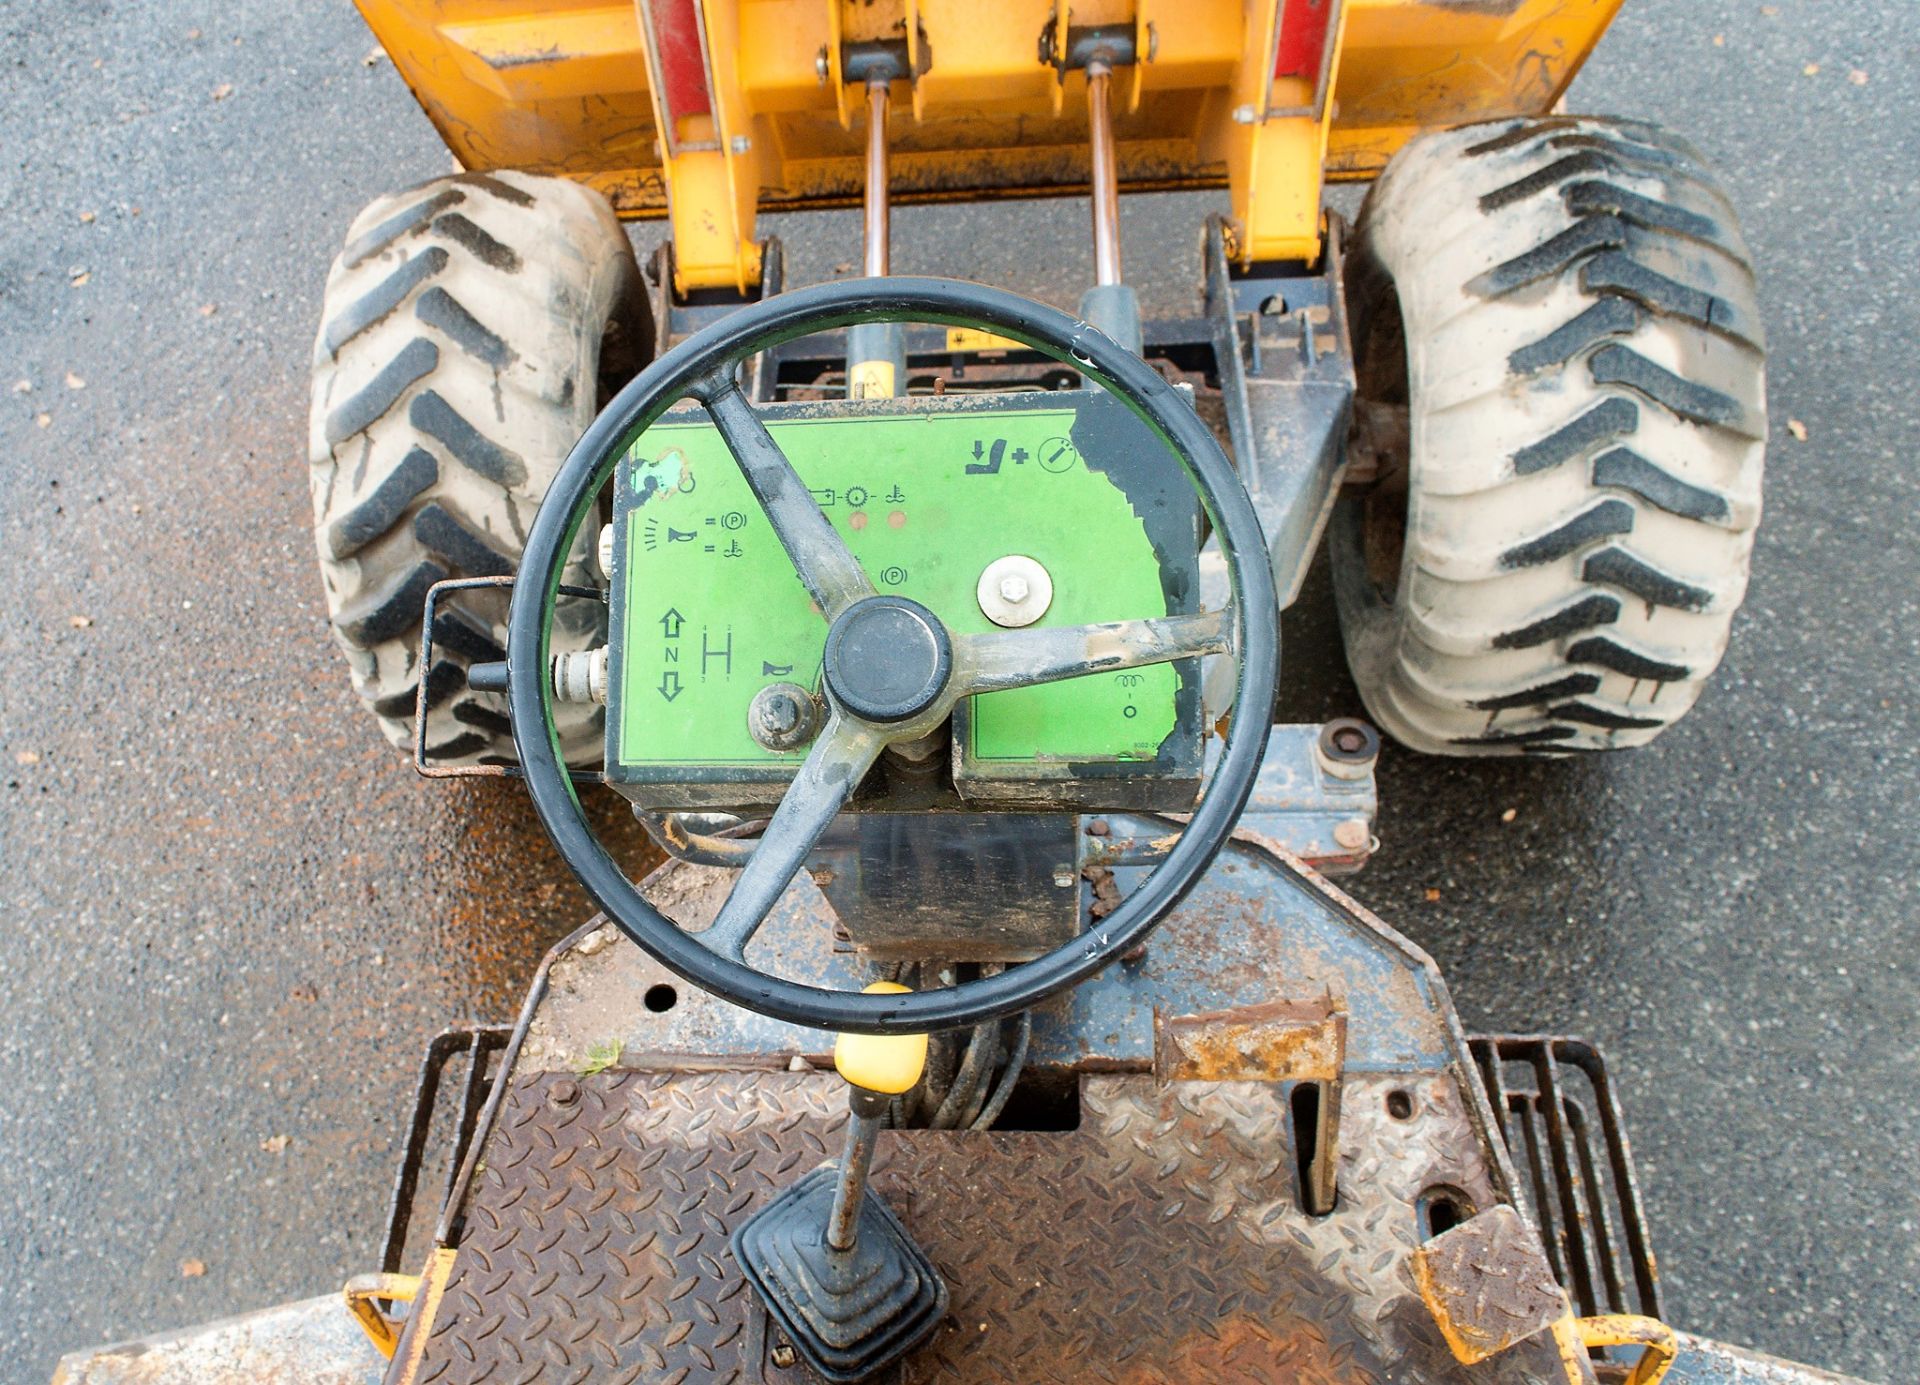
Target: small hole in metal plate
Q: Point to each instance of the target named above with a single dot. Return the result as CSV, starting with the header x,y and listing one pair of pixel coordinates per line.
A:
x,y
1441,1209
660,998
1400,1104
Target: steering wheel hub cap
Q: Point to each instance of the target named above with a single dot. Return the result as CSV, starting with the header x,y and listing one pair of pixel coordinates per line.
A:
x,y
887,659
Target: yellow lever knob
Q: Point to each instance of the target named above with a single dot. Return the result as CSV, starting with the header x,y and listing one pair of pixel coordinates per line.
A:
x,y
889,1063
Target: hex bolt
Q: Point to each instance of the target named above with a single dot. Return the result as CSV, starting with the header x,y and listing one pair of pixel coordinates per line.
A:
x,y
1352,835
783,716
820,65
1346,748
780,715
563,1093
1014,591
782,1355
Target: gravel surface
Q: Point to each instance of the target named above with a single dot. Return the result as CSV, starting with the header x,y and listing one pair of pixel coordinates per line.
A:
x,y
231,915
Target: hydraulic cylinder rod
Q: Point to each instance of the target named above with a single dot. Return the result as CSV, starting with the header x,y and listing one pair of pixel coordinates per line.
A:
x,y
876,195
876,351
1106,176
1111,305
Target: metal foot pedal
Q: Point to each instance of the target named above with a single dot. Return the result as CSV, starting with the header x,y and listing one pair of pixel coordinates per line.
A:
x,y
849,1313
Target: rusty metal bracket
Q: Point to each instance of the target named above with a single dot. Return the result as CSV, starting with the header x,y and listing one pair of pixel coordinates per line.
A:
x,y
1290,1040
1298,1042
1285,365
678,317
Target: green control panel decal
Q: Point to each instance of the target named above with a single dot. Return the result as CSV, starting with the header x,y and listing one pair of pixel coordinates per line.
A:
x,y
713,610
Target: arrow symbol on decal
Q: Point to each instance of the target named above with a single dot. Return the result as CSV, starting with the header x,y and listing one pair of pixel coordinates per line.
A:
x,y
671,622
669,685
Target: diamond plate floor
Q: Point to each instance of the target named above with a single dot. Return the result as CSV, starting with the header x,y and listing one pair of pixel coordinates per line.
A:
x,y
1160,1242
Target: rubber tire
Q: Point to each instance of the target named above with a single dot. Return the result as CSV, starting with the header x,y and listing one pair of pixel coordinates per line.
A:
x,y
1552,556
466,330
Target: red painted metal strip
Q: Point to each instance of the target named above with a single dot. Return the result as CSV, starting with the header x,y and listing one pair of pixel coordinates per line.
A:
x,y
1303,38
681,58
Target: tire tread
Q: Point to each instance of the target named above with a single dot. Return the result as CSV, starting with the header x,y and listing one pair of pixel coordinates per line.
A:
x,y
459,324
1572,592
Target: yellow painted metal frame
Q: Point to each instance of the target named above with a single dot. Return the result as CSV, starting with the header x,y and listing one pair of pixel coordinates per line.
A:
x,y
562,87
424,1291
364,1292
1573,1337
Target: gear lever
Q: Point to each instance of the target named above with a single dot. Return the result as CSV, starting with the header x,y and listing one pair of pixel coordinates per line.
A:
x,y
832,1263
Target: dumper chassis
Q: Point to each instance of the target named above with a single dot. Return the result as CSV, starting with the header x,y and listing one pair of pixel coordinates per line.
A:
x,y
987,1012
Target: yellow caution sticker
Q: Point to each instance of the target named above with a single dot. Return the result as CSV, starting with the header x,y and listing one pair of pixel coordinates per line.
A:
x,y
871,380
973,339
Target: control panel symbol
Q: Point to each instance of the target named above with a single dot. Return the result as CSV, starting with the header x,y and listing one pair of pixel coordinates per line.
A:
x,y
994,456
1058,454
711,653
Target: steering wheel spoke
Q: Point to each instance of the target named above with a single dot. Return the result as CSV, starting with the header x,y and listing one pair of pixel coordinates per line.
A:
x,y
1002,659
839,760
818,553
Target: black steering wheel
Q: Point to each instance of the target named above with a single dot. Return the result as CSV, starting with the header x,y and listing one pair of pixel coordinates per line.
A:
x,y
893,672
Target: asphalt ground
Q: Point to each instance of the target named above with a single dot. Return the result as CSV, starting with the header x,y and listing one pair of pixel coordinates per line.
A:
x,y
231,915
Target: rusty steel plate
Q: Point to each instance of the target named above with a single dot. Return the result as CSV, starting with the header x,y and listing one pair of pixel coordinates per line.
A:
x,y
1161,1241
1488,1284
